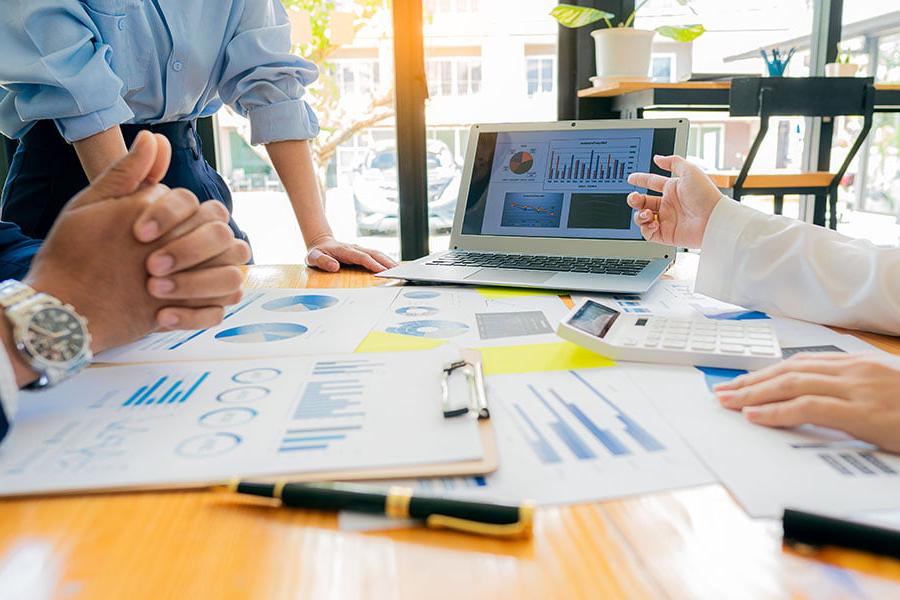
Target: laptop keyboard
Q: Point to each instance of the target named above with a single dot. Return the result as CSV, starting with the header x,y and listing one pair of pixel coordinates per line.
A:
x,y
628,267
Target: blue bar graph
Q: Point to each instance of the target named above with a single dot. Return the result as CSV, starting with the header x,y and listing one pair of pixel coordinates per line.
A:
x,y
144,394
345,367
632,427
539,444
568,435
330,399
604,436
314,438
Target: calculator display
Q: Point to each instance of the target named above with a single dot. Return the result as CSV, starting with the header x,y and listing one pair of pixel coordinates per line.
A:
x,y
594,318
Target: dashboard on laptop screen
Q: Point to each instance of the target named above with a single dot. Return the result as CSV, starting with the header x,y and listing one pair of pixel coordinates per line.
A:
x,y
560,184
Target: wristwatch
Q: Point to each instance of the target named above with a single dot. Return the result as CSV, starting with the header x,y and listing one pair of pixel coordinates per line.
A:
x,y
50,335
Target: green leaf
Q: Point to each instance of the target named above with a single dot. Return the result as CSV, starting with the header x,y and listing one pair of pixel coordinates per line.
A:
x,y
688,33
573,16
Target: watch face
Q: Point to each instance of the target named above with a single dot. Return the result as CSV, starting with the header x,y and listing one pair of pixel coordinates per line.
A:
x,y
56,335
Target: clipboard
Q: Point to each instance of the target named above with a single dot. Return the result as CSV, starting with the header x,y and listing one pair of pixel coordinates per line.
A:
x,y
470,367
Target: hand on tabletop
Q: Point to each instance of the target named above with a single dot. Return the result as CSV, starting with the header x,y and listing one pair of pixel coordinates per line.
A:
x,y
680,215
329,254
855,393
100,267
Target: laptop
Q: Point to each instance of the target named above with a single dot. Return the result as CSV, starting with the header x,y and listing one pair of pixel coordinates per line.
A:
x,y
543,205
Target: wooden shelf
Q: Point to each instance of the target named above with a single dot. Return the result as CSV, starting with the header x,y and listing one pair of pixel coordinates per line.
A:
x,y
726,179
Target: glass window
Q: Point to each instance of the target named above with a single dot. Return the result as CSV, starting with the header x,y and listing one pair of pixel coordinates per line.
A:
x,y
662,67
488,62
541,77
354,155
869,194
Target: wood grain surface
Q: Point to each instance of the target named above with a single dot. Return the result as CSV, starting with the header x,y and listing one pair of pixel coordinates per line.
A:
x,y
694,543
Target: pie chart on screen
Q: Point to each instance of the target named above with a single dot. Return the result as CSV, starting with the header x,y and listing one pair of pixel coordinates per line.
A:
x,y
521,162
261,333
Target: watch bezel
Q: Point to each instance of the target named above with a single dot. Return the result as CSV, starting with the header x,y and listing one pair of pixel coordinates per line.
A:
x,y
24,335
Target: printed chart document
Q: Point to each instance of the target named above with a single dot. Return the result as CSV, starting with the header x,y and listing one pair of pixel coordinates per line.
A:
x,y
769,469
429,317
575,436
169,424
271,322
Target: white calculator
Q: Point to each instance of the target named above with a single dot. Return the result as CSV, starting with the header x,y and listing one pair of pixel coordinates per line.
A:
x,y
701,342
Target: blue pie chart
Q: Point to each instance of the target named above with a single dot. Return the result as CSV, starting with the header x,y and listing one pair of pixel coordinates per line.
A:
x,y
430,329
304,303
258,333
417,311
421,295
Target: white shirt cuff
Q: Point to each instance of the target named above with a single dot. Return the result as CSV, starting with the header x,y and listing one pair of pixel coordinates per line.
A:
x,y
9,391
720,243
289,120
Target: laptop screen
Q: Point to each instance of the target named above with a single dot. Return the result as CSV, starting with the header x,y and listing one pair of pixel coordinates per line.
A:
x,y
560,184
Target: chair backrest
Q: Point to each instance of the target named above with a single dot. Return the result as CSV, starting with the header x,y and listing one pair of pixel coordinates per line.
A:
x,y
800,96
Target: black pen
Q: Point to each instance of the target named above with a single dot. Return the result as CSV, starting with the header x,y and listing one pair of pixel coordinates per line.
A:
x,y
399,503
818,530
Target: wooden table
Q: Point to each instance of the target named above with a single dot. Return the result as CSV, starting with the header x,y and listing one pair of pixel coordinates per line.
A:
x,y
694,543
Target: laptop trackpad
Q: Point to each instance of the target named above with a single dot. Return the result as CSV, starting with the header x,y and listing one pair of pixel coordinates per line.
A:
x,y
511,276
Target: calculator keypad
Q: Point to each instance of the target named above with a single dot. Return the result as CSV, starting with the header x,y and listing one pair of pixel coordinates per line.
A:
x,y
754,338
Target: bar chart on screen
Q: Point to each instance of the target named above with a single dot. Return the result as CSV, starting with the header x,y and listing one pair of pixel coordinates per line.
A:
x,y
591,164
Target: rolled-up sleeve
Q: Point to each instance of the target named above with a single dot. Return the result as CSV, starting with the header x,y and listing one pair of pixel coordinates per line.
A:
x,y
55,66
263,81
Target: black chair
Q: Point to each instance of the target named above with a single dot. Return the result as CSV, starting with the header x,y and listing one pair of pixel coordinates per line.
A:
x,y
826,97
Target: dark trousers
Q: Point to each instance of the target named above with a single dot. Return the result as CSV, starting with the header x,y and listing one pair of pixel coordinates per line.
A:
x,y
45,174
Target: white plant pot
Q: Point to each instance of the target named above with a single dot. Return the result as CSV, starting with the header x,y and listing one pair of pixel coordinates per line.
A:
x,y
623,54
841,70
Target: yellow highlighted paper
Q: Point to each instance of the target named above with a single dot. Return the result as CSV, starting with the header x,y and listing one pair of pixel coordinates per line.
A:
x,y
534,358
505,292
380,341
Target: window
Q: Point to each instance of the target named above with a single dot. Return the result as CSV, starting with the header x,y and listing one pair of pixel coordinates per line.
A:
x,y
451,6
541,74
453,76
357,76
705,145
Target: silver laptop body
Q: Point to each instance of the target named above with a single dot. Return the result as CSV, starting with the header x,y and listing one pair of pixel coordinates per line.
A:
x,y
543,205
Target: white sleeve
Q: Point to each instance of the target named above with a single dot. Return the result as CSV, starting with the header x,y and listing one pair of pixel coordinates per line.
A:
x,y
9,393
790,268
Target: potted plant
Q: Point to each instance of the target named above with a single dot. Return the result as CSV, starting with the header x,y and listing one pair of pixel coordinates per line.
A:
x,y
841,67
623,52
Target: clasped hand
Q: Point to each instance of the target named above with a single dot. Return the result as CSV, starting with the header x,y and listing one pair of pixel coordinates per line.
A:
x,y
133,256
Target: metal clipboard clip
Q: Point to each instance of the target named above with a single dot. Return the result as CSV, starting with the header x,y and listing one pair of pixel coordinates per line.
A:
x,y
476,400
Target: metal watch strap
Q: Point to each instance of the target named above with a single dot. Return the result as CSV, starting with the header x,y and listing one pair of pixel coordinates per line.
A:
x,y
13,292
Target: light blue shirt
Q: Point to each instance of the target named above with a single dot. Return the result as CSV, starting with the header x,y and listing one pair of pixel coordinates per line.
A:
x,y
92,64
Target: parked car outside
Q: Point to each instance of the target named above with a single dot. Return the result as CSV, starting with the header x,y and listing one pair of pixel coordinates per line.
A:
x,y
374,182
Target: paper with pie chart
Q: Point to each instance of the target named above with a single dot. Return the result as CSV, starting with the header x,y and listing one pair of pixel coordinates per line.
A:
x,y
176,424
271,322
424,318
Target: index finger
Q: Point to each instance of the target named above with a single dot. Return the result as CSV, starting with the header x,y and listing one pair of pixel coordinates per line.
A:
x,y
166,213
791,365
651,181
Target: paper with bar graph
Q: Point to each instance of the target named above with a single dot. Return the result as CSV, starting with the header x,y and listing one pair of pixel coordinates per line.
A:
x,y
769,469
575,436
175,424
270,322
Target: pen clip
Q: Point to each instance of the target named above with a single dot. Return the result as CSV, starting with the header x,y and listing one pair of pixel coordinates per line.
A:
x,y
523,528
477,397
